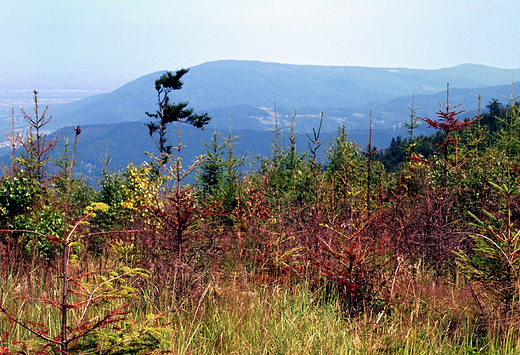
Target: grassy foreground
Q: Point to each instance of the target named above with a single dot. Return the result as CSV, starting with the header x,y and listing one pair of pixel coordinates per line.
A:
x,y
237,317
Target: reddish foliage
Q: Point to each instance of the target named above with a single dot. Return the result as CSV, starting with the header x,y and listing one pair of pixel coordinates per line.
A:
x,y
448,122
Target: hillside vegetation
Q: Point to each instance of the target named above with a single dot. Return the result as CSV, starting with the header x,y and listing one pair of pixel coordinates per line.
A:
x,y
347,252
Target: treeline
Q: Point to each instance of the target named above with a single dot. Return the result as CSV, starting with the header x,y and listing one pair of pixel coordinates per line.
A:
x,y
493,121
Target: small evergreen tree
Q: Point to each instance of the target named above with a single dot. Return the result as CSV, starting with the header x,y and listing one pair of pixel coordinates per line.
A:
x,y
169,112
218,175
36,144
414,123
211,171
450,126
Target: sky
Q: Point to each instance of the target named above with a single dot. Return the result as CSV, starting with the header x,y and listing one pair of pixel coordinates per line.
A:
x,y
116,41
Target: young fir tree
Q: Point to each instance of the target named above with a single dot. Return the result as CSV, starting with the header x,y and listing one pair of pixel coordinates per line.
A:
x,y
219,174
37,146
169,112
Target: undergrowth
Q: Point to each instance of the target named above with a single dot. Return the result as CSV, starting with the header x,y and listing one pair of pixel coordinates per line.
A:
x,y
297,256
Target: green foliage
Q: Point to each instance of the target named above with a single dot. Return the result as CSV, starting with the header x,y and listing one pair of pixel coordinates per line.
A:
x,y
218,176
45,220
24,205
129,337
113,192
344,167
396,154
414,123
494,261
210,174
17,194
168,112
509,136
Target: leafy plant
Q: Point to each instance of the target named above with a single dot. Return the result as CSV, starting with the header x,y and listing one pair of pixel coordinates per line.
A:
x,y
17,194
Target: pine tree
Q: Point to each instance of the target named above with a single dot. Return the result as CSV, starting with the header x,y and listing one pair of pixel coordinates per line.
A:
x,y
170,112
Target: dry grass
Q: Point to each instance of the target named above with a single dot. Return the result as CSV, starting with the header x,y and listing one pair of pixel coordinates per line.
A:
x,y
234,315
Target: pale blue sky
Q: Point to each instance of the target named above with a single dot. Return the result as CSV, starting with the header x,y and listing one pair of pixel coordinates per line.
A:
x,y
121,40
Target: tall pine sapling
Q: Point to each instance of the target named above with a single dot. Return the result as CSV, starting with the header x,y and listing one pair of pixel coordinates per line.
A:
x,y
509,137
169,112
477,137
370,152
494,262
37,145
219,173
211,171
414,123
450,125
314,144
231,172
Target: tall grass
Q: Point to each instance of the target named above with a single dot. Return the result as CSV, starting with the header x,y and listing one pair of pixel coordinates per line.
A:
x,y
239,316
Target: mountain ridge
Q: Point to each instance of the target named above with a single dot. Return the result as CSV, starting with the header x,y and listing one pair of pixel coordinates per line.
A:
x,y
292,87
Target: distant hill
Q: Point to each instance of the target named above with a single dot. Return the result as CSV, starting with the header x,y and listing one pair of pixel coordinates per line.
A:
x,y
254,94
248,89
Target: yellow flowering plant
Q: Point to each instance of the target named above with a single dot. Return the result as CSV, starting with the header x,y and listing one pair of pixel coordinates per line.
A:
x,y
141,190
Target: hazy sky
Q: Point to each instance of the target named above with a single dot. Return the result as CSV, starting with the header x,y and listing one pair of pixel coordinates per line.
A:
x,y
123,39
